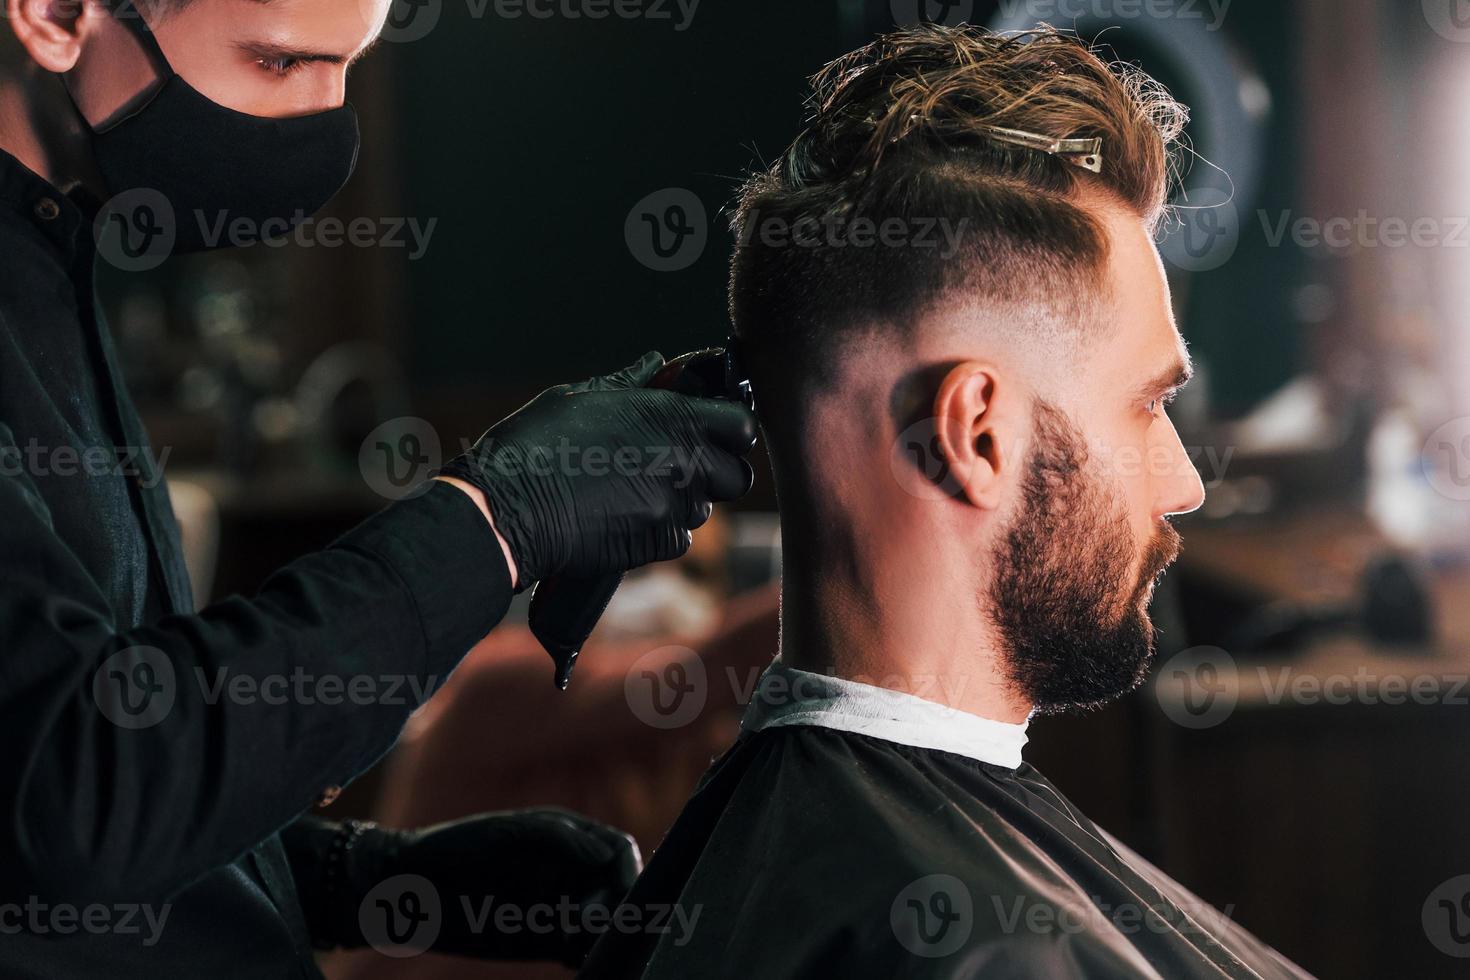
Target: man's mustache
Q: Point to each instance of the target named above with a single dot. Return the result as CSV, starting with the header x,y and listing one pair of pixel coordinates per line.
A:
x,y
1162,551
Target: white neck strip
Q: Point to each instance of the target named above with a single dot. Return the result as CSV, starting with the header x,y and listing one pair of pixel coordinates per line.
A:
x,y
786,696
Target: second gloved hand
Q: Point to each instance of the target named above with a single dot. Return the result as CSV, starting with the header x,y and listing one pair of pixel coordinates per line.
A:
x,y
607,475
525,885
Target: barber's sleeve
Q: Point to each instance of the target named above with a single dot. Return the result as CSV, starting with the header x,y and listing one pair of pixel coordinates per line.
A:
x,y
139,760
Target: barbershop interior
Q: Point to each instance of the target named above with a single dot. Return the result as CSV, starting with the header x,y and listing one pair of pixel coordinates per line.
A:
x,y
550,195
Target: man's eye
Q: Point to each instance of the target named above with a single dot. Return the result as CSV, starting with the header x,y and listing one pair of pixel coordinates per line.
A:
x,y
280,67
1156,405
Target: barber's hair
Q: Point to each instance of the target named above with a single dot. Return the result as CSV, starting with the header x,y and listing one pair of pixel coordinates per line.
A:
x,y
896,131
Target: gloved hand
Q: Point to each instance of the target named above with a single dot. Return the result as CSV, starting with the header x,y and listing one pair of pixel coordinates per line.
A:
x,y
606,475
501,886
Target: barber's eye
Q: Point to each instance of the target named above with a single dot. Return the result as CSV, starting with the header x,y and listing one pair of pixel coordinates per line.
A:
x,y
280,67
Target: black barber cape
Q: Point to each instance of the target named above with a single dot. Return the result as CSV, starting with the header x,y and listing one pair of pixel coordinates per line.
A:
x,y
853,832
147,845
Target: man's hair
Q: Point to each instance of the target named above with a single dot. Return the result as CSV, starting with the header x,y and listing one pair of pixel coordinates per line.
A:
x,y
896,133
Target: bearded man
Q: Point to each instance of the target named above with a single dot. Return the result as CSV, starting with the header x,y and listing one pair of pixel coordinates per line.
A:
x,y
960,340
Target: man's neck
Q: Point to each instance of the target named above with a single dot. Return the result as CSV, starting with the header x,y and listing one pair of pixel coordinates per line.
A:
x,y
894,622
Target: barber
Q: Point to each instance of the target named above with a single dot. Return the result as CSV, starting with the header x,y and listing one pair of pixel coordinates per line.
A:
x,y
151,825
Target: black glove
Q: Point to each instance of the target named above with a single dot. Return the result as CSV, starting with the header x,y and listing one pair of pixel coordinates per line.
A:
x,y
606,475
526,885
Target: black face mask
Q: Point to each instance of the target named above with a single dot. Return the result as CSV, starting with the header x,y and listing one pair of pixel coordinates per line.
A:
x,y
215,166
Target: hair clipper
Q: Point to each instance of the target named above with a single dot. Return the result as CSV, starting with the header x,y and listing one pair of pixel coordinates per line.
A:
x,y
564,608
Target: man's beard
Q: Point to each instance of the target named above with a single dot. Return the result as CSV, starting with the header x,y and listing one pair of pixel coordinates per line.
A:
x,y
1064,596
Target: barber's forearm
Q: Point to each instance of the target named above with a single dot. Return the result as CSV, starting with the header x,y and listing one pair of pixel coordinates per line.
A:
x,y
478,496
370,626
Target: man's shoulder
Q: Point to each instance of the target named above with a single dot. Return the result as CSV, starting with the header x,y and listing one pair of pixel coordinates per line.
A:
x,y
845,855
840,800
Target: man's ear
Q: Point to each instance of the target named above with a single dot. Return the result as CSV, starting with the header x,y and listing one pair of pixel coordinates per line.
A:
x,y
50,30
972,420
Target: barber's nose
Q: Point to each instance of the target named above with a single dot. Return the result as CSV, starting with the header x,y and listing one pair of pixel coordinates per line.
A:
x,y
337,90
1178,489
331,92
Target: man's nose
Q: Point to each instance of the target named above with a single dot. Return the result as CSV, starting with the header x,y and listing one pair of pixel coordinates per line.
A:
x,y
1178,489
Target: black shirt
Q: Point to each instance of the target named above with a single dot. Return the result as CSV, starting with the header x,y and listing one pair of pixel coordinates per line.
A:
x,y
140,810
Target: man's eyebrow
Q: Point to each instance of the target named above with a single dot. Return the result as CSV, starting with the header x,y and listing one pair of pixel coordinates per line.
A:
x,y
1176,375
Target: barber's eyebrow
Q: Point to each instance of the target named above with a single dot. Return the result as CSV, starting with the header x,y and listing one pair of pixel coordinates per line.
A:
x,y
1176,375
285,52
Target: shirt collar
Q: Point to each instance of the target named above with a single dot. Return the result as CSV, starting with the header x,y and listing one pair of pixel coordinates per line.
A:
x,y
787,696
59,217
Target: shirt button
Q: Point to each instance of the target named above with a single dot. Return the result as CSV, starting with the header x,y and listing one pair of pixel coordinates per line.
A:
x,y
47,209
329,796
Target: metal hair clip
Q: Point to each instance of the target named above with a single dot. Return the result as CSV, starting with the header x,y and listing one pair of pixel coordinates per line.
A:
x,y
1090,150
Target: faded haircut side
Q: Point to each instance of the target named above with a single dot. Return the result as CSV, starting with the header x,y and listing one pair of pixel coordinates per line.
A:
x,y
895,137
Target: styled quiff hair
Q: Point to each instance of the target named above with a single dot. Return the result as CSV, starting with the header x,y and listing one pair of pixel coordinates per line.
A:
x,y
896,131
